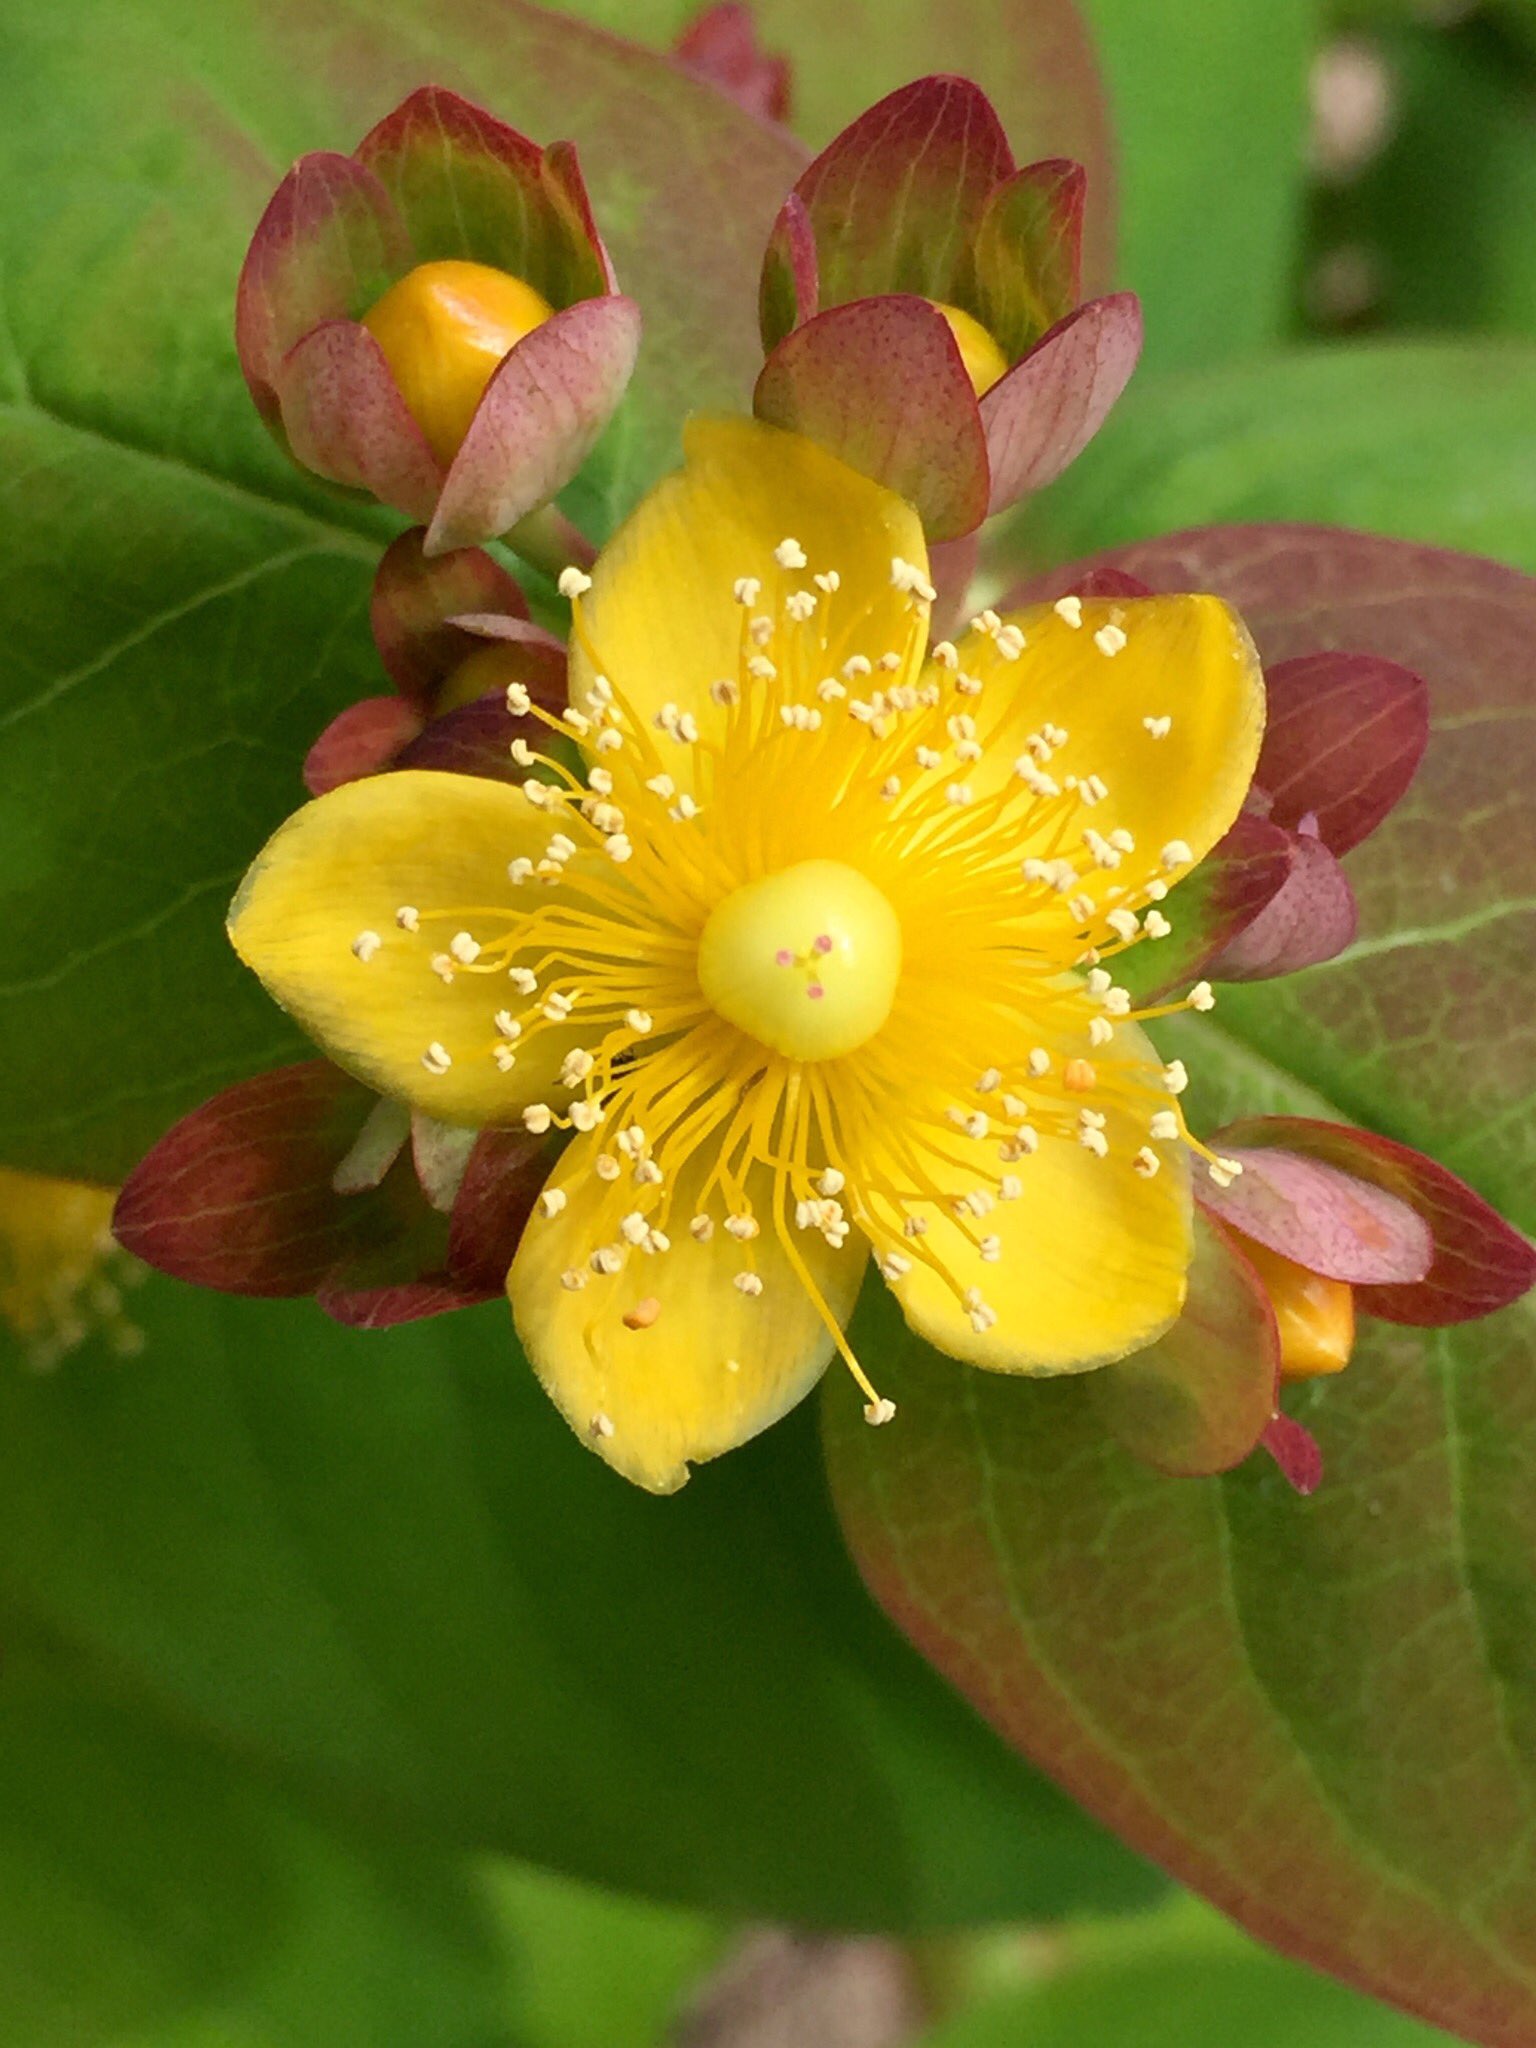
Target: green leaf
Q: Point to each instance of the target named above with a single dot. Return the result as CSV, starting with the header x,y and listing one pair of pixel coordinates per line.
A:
x,y
1442,213
589,1969
155,1895
1433,441
1210,110
183,610
381,1567
1178,1979
1322,1714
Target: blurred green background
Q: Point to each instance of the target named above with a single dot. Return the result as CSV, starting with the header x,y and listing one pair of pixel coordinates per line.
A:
x,y
191,1857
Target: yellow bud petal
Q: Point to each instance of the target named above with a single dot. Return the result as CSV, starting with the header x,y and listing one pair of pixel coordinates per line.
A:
x,y
444,328
982,356
1316,1317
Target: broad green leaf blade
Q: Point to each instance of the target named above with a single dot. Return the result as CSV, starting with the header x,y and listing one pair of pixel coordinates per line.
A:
x,y
1429,441
1319,1714
1322,1714
182,609
1209,105
175,642
381,1567
591,1969
1179,1978
157,1897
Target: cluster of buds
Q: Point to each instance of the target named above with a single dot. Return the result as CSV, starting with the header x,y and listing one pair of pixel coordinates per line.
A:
x,y
434,319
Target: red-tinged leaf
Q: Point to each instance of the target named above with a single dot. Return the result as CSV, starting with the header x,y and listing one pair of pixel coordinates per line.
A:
x,y
1311,918
1028,255
895,200
1327,1220
238,1196
538,420
1318,1712
415,599
1244,871
1480,1264
328,245
466,185
500,1186
880,382
361,740
1295,1451
1343,739
789,290
1042,415
721,44
1421,1028
345,419
1199,1399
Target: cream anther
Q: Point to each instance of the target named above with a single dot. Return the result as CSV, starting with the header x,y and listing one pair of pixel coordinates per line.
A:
x,y
573,582
437,1059
365,945
789,554
1069,609
1109,640
408,917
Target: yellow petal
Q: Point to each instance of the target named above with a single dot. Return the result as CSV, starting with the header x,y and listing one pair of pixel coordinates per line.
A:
x,y
698,1367
1185,659
337,873
661,619
1094,1255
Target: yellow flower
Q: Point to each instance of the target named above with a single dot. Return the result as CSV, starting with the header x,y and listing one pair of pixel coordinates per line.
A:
x,y
59,1269
813,957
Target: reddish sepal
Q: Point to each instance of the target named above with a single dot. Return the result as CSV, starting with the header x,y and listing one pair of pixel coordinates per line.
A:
x,y
1344,738
1041,416
362,740
881,383
1480,1262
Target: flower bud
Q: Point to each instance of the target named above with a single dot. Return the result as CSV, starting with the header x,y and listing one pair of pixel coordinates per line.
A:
x,y
444,328
1315,1316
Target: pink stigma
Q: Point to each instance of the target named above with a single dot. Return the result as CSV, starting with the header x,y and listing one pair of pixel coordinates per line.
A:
x,y
815,991
823,944
783,957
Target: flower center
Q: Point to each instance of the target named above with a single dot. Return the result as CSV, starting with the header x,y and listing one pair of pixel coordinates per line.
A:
x,y
445,328
806,961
